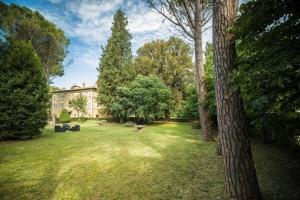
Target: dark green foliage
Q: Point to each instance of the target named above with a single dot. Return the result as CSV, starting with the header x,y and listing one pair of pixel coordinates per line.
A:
x,y
269,66
189,109
115,62
23,91
210,102
123,105
146,97
64,116
47,39
169,60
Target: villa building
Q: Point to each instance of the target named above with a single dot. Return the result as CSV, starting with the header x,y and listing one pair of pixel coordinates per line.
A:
x,y
61,98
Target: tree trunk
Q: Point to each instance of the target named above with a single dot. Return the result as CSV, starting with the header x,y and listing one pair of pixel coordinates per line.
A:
x,y
240,175
200,73
219,147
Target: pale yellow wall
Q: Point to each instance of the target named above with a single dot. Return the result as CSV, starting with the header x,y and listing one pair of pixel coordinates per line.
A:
x,y
60,101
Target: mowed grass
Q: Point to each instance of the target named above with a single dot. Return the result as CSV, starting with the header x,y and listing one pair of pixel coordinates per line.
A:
x,y
166,161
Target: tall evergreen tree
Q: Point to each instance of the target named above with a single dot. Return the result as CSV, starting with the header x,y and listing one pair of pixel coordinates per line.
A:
x,y
115,62
23,91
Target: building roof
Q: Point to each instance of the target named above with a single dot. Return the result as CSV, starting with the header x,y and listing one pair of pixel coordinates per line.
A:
x,y
75,89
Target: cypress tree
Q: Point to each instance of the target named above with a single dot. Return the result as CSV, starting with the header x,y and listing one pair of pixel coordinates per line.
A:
x,y
115,62
24,94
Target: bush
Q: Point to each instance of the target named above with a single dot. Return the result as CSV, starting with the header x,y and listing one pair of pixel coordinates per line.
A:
x,y
23,91
64,116
147,98
190,107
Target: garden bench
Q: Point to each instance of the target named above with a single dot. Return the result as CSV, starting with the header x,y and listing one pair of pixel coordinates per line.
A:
x,y
140,128
66,127
59,129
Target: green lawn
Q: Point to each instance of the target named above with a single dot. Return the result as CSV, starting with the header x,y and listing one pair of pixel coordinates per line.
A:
x,y
167,161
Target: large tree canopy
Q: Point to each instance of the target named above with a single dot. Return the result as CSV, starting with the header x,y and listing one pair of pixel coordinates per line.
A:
x,y
115,62
49,42
269,66
145,97
171,61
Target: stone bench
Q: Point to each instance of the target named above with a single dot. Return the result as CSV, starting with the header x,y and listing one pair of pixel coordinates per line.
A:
x,y
140,128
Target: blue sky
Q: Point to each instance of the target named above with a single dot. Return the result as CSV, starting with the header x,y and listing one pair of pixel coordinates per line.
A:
x,y
87,24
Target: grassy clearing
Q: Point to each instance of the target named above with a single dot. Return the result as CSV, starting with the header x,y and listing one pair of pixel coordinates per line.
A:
x,y
167,161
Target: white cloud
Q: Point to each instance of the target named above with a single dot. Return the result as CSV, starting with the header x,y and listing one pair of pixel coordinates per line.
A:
x,y
54,1
94,20
92,10
88,58
93,31
146,21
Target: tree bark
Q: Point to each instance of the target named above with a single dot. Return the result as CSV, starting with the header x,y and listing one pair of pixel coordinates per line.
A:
x,y
200,73
240,175
219,147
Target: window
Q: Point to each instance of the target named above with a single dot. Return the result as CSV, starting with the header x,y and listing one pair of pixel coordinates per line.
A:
x,y
54,97
54,106
69,97
61,105
89,106
90,94
62,96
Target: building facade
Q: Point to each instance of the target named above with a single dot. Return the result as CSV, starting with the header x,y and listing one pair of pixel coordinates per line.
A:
x,y
61,98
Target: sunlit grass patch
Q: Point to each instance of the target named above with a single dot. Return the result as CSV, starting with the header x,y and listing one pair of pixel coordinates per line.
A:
x,y
166,161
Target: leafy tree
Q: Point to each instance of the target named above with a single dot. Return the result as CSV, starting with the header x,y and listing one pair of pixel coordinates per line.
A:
x,y
79,104
23,91
210,102
54,88
191,18
64,116
189,109
49,42
123,105
115,62
151,98
145,97
169,60
268,71
240,175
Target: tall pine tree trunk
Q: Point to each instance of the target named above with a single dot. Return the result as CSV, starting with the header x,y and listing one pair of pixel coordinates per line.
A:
x,y
240,175
203,111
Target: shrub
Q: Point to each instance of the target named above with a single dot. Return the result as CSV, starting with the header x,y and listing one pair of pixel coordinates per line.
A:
x,y
64,116
23,91
147,98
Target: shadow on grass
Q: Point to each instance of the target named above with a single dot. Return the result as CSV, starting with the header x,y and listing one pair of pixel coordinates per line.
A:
x,y
166,161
